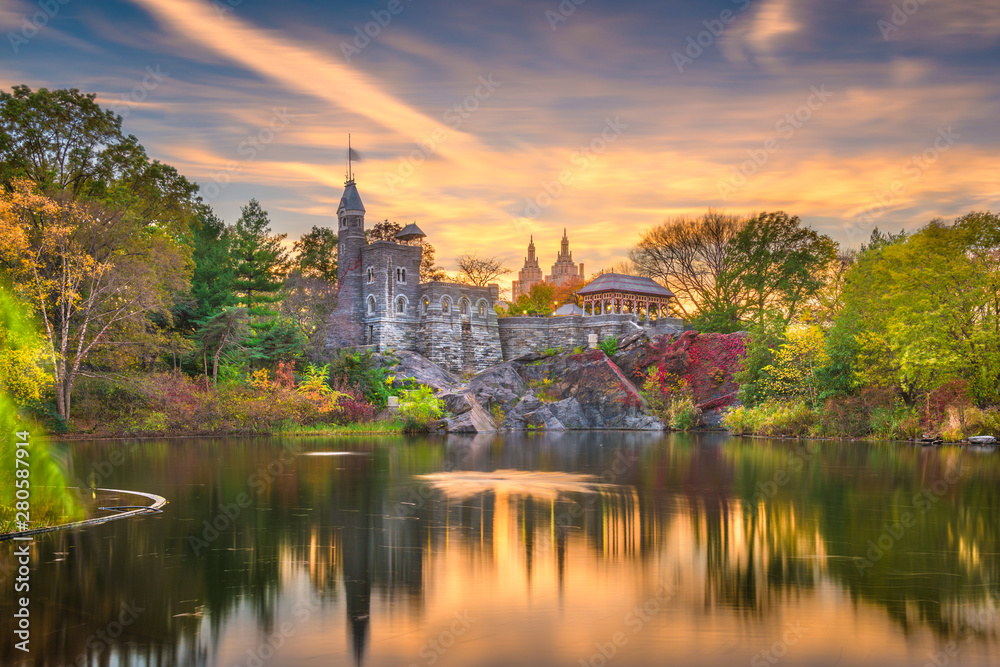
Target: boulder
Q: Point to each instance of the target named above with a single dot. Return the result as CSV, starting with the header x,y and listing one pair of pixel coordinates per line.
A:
x,y
474,420
424,371
982,440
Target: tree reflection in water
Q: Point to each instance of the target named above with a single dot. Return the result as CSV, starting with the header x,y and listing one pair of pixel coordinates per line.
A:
x,y
394,536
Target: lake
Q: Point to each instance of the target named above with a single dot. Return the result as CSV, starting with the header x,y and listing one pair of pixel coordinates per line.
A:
x,y
537,549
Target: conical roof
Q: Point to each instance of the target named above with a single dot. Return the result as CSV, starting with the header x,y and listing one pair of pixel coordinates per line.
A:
x,y
351,200
410,233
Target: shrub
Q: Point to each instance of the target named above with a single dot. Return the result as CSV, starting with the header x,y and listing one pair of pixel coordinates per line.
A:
x,y
684,414
772,418
609,345
419,408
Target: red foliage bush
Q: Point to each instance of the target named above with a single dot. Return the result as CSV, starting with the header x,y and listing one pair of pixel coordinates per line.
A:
x,y
706,363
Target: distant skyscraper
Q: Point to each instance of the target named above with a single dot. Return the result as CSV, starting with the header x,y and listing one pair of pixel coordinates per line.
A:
x,y
564,270
527,277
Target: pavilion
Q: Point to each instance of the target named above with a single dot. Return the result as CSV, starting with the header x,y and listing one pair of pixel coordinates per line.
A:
x,y
622,294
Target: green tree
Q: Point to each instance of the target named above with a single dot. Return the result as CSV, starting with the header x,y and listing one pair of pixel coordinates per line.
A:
x,y
67,145
260,263
317,254
926,310
776,267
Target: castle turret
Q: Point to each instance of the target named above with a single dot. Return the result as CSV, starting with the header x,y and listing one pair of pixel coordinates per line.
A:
x,y
350,241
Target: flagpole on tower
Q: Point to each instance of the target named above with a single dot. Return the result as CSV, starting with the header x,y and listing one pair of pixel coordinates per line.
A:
x,y
349,176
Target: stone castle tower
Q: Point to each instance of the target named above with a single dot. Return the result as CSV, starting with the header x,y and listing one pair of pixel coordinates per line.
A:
x,y
382,304
564,270
350,241
527,277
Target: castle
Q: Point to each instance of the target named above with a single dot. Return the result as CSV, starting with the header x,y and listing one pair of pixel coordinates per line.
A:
x,y
563,271
382,304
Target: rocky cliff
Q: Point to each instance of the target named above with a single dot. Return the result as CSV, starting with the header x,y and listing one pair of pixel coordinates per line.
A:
x,y
587,390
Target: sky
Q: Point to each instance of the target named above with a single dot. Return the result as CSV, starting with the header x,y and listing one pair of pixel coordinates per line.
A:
x,y
489,122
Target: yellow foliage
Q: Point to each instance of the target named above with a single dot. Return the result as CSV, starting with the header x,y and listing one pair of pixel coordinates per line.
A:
x,y
793,371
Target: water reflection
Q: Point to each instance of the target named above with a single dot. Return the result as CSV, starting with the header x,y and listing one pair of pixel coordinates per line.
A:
x,y
534,550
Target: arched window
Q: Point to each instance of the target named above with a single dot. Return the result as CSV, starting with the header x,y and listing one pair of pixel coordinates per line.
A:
x,y
427,305
400,275
401,305
482,308
371,274
371,305
463,307
445,305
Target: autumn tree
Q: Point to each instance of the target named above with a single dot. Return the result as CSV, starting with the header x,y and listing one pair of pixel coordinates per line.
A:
x,y
480,271
92,273
260,264
692,256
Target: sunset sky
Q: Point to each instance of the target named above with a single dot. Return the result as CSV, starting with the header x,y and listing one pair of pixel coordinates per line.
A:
x,y
488,122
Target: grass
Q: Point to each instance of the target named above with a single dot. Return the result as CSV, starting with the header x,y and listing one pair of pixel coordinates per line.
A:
x,y
391,427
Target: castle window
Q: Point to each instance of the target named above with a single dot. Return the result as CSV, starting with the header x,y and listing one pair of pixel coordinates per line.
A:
x,y
427,305
464,307
400,305
445,305
371,305
400,275
371,274
482,309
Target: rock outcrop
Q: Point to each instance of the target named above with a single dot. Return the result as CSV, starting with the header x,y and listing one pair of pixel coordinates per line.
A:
x,y
587,390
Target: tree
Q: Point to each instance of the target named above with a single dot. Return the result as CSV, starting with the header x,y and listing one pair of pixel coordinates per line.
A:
x,y
317,254
309,303
428,270
775,266
259,262
480,271
91,273
692,256
383,231
22,352
926,310
225,330
66,144
539,300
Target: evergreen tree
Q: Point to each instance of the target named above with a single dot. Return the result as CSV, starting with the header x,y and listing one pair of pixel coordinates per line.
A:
x,y
259,264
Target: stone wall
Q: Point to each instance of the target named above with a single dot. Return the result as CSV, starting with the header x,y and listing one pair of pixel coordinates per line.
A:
x,y
522,335
457,327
